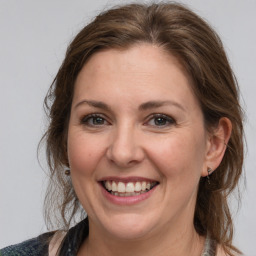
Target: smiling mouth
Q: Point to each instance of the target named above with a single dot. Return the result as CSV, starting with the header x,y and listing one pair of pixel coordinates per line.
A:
x,y
122,189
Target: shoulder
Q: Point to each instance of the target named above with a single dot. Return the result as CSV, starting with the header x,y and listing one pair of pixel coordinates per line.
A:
x,y
33,247
221,252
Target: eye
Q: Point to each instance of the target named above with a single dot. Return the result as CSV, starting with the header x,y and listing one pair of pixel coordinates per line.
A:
x,y
160,120
94,120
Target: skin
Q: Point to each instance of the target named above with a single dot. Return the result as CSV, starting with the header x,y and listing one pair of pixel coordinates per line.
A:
x,y
128,140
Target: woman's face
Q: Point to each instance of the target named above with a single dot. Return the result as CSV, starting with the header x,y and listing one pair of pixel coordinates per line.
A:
x,y
137,144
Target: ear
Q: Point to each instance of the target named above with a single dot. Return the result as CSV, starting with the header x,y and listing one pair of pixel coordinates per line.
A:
x,y
216,145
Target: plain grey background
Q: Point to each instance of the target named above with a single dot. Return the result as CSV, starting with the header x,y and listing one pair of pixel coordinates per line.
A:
x,y
33,39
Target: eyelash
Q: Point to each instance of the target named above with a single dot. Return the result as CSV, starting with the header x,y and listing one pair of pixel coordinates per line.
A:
x,y
93,117
161,117
167,119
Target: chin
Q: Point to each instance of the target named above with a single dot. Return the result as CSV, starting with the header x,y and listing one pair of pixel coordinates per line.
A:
x,y
131,226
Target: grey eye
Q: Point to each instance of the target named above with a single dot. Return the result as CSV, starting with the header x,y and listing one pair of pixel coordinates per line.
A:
x,y
97,120
160,120
94,120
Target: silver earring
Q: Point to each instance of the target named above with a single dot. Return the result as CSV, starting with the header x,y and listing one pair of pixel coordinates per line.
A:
x,y
67,172
208,176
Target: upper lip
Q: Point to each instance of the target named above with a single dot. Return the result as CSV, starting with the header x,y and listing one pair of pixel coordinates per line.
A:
x,y
127,179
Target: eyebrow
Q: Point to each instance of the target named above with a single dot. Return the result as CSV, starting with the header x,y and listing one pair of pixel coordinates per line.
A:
x,y
144,106
158,104
93,103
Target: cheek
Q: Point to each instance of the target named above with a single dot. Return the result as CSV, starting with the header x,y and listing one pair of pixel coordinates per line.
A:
x,y
83,154
178,156
179,161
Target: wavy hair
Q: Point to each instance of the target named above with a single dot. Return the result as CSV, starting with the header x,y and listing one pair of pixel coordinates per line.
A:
x,y
182,33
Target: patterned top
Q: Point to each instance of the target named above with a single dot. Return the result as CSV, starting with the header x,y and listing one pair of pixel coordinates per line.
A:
x,y
71,243
32,247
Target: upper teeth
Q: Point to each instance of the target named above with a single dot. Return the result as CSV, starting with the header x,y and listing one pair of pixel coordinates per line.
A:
x,y
129,187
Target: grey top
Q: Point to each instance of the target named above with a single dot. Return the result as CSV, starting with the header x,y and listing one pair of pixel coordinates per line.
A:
x,y
210,247
71,244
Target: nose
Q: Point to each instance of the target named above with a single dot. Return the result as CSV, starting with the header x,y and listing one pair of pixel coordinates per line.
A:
x,y
125,149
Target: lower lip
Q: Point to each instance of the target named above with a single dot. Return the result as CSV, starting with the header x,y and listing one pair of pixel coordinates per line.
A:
x,y
126,200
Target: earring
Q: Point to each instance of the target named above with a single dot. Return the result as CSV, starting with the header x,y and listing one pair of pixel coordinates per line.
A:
x,y
208,176
67,172
209,170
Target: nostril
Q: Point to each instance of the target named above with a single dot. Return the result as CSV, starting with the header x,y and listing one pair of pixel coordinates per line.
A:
x,y
125,148
123,157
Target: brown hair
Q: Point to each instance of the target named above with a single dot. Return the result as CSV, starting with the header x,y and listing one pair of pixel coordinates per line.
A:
x,y
182,33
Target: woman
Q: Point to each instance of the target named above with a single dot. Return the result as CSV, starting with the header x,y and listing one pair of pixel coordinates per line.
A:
x,y
145,136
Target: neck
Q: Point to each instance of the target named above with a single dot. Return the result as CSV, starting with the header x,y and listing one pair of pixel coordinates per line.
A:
x,y
165,243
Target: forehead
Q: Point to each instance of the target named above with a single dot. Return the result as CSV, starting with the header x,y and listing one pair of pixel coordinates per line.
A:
x,y
136,58
145,70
